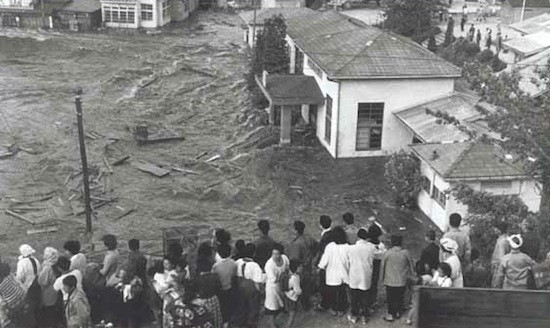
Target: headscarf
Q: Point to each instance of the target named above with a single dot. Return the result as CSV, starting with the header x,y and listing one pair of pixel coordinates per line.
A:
x,y
26,250
50,256
515,241
449,245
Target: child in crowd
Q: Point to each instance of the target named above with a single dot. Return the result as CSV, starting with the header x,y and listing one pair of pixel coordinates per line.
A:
x,y
294,291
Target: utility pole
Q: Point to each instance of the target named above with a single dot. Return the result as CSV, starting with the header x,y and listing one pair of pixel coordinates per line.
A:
x,y
254,2
522,10
78,103
42,11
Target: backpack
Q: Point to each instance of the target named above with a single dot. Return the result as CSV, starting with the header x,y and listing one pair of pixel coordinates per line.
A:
x,y
284,280
34,293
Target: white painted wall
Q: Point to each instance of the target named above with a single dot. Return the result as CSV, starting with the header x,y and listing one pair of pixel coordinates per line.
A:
x,y
526,190
396,94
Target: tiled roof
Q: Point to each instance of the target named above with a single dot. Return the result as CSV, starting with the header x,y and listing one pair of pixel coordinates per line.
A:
x,y
293,90
530,3
530,81
467,160
83,6
426,126
263,14
533,25
530,44
348,49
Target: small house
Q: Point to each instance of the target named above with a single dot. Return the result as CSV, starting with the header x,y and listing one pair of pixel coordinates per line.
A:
x,y
483,167
29,13
80,15
136,13
511,11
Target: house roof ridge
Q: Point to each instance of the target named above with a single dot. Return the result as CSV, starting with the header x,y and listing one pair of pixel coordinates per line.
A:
x,y
459,159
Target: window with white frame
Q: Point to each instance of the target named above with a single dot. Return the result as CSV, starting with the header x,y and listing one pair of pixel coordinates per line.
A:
x,y
439,196
328,118
426,184
146,12
165,9
119,14
370,117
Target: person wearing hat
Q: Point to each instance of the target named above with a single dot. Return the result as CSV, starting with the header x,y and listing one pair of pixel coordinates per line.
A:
x,y
28,266
449,248
515,267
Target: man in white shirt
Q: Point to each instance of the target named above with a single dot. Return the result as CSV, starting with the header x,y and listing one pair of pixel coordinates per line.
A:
x,y
64,265
361,258
251,277
326,224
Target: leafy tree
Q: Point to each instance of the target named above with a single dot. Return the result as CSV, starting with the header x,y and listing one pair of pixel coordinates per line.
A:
x,y
460,52
270,54
485,211
432,46
402,173
522,122
411,18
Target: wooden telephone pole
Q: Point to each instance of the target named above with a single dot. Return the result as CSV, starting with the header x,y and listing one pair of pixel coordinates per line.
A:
x,y
78,103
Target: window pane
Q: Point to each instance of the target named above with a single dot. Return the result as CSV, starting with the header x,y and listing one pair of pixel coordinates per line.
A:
x,y
328,119
370,118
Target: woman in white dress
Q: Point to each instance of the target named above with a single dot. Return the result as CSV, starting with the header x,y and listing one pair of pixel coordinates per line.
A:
x,y
274,268
449,248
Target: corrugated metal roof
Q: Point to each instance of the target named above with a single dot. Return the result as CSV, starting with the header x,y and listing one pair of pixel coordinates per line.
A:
x,y
529,69
533,25
348,49
431,129
467,160
530,44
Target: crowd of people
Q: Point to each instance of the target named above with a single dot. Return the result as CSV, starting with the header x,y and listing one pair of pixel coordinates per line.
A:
x,y
232,284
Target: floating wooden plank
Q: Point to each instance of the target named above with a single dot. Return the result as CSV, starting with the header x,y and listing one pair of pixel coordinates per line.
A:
x,y
121,161
20,217
223,180
213,158
179,169
151,168
124,214
107,165
201,155
159,136
42,230
6,154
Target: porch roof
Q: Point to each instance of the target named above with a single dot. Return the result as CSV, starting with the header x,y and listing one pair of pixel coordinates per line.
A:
x,y
430,128
291,90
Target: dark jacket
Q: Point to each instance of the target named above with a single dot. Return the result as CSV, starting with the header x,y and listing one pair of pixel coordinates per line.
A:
x,y
264,246
430,255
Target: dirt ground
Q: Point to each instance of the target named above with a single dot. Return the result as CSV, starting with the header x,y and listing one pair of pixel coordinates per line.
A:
x,y
189,79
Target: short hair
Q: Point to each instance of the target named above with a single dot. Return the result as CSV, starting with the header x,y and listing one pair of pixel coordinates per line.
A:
x,y
446,268
263,225
63,263
454,220
72,246
503,226
239,245
325,221
223,236
110,242
279,247
396,240
249,250
205,250
133,244
374,233
204,266
299,226
430,235
348,218
339,235
69,281
362,233
294,265
224,250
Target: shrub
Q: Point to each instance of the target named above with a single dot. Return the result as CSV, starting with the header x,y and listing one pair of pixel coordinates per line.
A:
x,y
402,174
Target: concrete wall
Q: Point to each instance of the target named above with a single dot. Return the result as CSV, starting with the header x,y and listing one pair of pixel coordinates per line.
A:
x,y
396,94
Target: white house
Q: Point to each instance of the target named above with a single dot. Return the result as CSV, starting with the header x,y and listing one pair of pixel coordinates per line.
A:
x,y
283,3
481,166
253,27
365,74
145,13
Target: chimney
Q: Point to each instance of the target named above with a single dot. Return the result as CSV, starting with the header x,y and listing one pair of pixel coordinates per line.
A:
x,y
264,78
435,155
